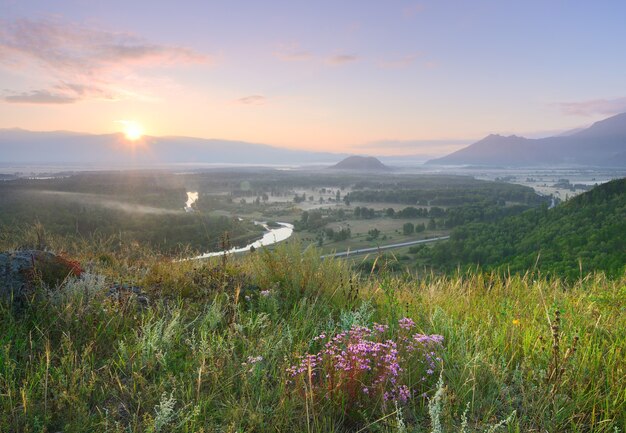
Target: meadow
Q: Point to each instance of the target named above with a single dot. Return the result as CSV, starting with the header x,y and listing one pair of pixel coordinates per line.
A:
x,y
216,346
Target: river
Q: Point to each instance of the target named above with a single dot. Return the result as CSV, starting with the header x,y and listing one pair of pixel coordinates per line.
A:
x,y
192,197
272,236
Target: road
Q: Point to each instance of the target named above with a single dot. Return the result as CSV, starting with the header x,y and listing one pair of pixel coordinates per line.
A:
x,y
360,251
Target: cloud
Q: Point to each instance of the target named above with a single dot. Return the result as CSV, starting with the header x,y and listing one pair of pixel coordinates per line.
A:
x,y
252,100
39,97
594,106
292,53
339,59
399,63
86,63
424,147
411,11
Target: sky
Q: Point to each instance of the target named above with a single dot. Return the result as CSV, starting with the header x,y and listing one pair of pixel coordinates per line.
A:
x,y
369,76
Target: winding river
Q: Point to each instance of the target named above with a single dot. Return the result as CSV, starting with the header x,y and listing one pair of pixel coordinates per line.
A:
x,y
272,236
192,197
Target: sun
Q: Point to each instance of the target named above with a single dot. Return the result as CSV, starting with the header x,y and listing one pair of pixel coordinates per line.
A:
x,y
133,131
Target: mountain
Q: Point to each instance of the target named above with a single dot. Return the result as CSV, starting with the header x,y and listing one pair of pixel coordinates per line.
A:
x,y
603,144
364,163
587,232
62,147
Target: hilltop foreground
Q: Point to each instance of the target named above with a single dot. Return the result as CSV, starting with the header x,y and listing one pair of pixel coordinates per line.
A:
x,y
221,346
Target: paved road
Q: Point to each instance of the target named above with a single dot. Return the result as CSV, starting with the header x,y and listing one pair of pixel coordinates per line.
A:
x,y
384,247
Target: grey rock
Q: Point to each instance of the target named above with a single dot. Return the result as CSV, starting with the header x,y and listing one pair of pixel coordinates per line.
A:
x,y
21,270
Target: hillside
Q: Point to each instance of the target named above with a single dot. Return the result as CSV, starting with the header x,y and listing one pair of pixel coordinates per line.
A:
x,y
188,347
603,144
587,232
363,163
61,147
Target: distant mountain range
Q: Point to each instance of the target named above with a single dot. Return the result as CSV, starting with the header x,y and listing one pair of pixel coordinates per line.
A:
x,y
603,144
363,163
61,147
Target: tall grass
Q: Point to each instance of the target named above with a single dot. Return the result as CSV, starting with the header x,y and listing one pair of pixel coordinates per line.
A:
x,y
210,352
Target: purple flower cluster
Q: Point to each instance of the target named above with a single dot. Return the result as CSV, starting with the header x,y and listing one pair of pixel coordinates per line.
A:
x,y
356,365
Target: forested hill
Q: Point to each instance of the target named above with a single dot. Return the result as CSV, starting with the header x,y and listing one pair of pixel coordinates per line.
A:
x,y
588,230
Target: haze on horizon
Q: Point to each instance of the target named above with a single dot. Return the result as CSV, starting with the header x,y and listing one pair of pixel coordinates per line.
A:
x,y
397,77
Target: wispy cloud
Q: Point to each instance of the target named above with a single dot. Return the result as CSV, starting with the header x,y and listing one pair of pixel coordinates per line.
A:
x,y
399,62
594,106
339,59
86,63
292,53
252,100
423,147
412,10
39,97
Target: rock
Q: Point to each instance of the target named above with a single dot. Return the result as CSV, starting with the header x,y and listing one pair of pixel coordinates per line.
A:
x,y
21,271
124,293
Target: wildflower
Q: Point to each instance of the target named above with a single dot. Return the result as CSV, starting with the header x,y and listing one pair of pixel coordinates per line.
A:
x,y
322,336
380,328
516,322
359,359
406,323
249,364
265,293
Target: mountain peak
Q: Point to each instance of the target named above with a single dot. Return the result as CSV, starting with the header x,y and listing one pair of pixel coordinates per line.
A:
x,y
602,144
610,127
356,162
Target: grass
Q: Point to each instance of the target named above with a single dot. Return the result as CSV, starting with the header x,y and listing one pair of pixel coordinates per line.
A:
x,y
74,360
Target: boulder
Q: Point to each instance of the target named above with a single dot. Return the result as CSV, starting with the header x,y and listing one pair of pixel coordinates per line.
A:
x,y
22,271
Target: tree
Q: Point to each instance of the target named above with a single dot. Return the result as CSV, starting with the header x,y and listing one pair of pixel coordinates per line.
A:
x,y
408,228
373,234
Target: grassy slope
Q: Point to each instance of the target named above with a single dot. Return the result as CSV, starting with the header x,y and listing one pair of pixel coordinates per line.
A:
x,y
78,361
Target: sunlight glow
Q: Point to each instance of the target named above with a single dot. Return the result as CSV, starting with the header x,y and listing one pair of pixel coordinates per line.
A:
x,y
132,130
